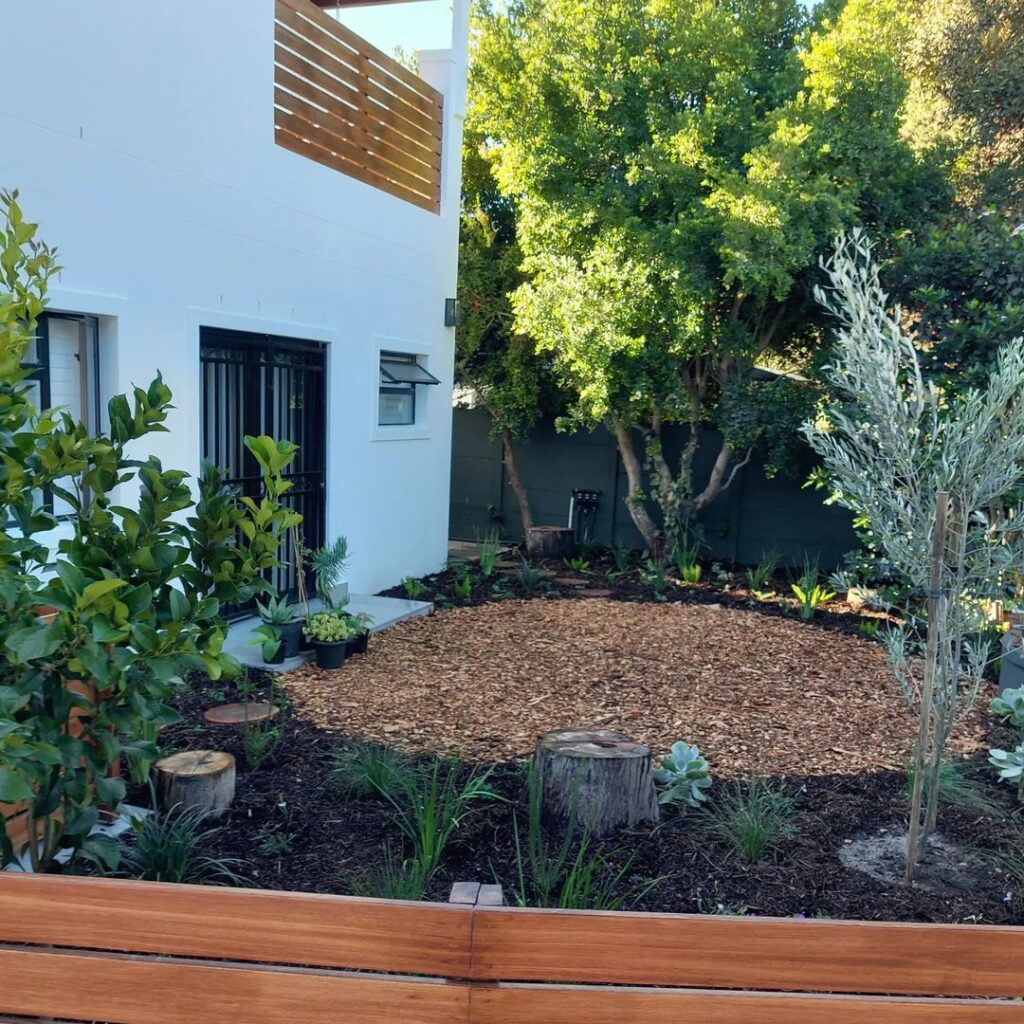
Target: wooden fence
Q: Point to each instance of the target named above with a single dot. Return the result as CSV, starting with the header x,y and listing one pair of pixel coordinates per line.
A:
x,y
140,953
342,102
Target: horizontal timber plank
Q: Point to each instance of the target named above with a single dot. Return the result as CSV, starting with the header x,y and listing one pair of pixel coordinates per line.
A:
x,y
742,952
236,924
346,123
342,138
331,143
297,144
353,67
514,1004
320,87
132,990
356,42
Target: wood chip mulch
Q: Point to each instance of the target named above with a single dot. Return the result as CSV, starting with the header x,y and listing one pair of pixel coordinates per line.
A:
x,y
759,694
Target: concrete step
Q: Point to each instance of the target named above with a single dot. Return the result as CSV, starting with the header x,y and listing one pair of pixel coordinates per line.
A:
x,y
383,612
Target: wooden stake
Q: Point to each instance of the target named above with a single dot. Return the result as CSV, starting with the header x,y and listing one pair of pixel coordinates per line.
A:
x,y
924,729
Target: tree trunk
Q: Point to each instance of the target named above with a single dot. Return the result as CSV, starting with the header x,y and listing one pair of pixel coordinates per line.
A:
x,y
515,482
599,777
555,542
918,835
196,778
635,496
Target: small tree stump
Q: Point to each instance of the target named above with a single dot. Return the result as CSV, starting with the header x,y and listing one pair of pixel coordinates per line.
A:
x,y
550,542
196,778
602,775
241,714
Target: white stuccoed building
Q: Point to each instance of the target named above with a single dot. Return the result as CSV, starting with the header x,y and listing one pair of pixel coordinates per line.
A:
x,y
254,201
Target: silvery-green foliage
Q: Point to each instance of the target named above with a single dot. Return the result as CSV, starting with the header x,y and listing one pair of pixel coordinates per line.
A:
x,y
892,442
1008,707
683,776
1010,764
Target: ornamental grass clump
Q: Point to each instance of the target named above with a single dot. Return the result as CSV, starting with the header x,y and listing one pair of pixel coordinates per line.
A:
x,y
934,476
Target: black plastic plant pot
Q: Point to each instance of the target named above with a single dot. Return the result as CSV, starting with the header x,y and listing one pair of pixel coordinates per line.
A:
x,y
291,639
330,655
359,644
277,658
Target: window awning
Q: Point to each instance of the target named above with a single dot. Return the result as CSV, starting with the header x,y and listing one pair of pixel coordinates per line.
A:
x,y
404,371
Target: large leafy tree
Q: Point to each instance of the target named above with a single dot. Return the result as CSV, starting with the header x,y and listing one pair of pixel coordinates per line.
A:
x,y
498,364
962,286
677,166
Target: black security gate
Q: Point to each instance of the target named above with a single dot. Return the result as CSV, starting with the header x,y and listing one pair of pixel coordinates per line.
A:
x,y
259,384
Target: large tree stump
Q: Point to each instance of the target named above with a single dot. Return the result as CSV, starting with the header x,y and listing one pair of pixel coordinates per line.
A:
x,y
550,542
196,778
601,776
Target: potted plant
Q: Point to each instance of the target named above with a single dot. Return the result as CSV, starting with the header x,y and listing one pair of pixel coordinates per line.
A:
x,y
329,564
360,626
279,613
330,633
268,637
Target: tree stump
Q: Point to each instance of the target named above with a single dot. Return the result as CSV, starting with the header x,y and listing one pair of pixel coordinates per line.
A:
x,y
241,714
196,778
602,776
550,542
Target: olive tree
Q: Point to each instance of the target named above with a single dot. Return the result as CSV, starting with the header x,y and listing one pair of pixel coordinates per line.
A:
x,y
930,473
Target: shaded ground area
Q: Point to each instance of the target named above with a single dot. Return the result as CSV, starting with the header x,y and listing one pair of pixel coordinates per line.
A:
x,y
759,694
294,828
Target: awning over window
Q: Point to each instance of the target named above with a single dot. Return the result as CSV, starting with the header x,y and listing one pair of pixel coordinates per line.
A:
x,y
404,371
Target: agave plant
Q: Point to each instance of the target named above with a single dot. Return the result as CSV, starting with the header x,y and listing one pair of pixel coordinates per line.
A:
x,y
683,776
1008,707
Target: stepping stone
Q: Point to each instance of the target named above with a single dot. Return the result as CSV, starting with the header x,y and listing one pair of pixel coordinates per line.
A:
x,y
595,592
569,581
239,714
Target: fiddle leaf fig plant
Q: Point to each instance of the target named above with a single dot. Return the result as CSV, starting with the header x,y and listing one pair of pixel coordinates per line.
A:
x,y
95,633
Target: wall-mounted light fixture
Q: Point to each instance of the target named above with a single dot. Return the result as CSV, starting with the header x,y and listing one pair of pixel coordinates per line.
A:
x,y
451,312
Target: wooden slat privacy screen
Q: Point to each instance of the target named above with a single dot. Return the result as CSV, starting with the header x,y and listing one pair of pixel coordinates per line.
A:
x,y
347,105
144,953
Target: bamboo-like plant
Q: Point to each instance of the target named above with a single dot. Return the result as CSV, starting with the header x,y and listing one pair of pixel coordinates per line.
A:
x,y
932,475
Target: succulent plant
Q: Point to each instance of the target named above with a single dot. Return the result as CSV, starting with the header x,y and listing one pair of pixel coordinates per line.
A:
x,y
683,776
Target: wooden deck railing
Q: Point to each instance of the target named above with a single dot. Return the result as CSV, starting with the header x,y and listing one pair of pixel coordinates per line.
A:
x,y
140,953
342,102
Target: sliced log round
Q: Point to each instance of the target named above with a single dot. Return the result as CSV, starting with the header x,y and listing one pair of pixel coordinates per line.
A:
x,y
550,542
602,776
241,714
196,778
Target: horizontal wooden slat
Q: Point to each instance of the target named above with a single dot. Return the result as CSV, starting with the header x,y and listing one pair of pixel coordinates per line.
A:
x,y
514,1004
236,924
299,76
342,138
130,990
346,105
377,165
355,42
353,67
742,952
315,152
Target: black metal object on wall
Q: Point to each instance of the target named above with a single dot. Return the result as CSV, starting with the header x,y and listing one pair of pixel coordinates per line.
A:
x,y
753,516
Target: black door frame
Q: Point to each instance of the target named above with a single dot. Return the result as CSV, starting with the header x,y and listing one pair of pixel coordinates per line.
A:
x,y
268,384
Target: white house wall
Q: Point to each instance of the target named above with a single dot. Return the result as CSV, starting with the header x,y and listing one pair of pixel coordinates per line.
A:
x,y
141,137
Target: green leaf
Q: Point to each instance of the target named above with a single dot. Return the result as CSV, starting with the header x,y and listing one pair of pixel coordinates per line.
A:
x,y
13,788
33,642
94,591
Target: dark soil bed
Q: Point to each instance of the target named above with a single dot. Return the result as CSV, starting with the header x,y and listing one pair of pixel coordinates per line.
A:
x,y
294,828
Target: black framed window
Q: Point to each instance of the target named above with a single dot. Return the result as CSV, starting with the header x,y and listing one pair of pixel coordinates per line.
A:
x,y
400,376
64,360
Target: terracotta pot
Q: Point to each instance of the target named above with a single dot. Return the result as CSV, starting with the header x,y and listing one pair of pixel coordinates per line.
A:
x,y
16,815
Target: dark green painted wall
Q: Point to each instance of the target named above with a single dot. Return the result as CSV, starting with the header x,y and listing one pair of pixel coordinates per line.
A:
x,y
754,515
